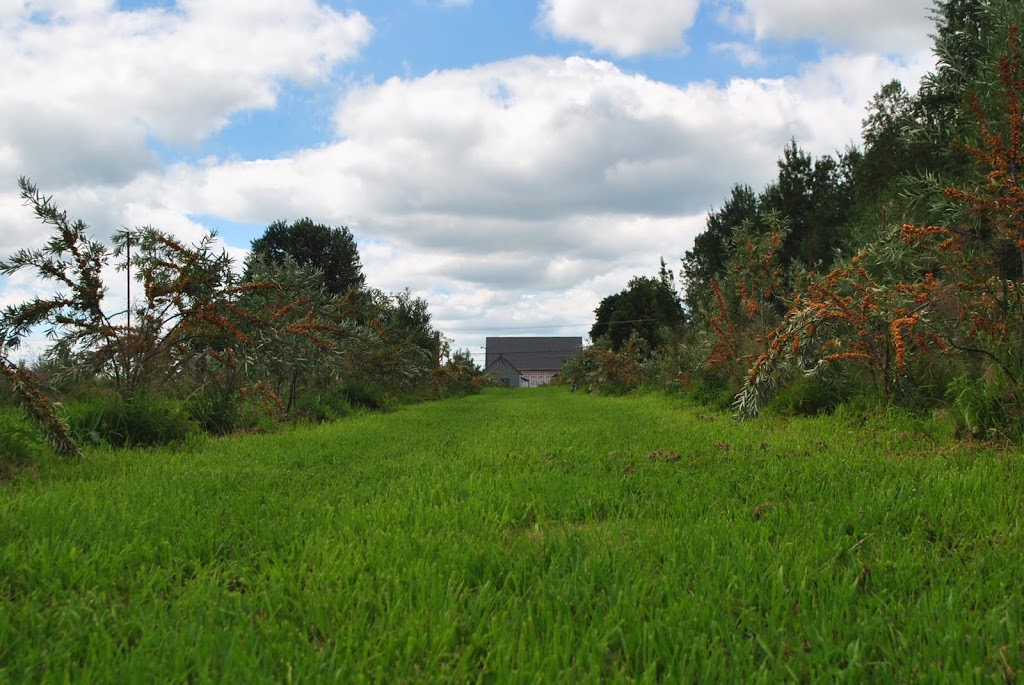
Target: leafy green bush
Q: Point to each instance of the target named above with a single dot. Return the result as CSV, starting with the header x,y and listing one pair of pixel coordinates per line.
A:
x,y
812,395
459,376
364,395
671,367
219,414
983,408
7,396
140,422
18,442
925,383
601,370
319,407
711,390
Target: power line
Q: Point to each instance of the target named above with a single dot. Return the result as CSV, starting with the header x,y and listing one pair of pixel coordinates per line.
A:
x,y
516,354
528,328
514,328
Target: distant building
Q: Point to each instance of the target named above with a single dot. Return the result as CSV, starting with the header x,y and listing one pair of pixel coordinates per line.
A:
x,y
512,377
529,362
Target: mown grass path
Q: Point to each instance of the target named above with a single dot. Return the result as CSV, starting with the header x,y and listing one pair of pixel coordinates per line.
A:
x,y
529,536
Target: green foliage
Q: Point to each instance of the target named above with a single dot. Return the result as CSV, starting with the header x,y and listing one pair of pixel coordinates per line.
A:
x,y
902,299
707,259
711,390
460,375
216,414
670,368
889,153
299,335
817,394
814,197
962,28
299,331
330,404
408,350
139,422
219,414
649,309
984,409
135,345
70,258
361,395
18,442
28,392
604,371
331,251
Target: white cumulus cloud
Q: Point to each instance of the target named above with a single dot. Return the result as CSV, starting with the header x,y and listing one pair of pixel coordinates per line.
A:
x,y
533,173
625,29
87,86
887,26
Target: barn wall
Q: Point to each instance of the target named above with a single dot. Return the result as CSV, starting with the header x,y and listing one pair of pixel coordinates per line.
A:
x,y
506,374
539,377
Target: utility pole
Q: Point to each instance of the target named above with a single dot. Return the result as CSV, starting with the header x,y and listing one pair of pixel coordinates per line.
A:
x,y
128,270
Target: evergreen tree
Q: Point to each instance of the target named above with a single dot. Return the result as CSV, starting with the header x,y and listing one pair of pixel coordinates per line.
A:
x,y
814,196
707,258
648,308
331,250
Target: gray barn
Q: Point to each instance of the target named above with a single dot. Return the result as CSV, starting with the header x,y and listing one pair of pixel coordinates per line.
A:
x,y
529,362
501,369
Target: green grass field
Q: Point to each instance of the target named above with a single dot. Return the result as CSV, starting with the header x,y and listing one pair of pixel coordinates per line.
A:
x,y
522,536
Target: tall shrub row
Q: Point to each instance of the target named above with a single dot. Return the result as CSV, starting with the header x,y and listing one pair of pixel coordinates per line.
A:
x,y
893,272
196,346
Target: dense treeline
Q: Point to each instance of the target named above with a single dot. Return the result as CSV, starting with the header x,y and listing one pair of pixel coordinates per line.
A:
x,y
196,346
890,272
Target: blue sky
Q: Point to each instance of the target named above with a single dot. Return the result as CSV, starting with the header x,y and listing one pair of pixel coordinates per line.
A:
x,y
512,161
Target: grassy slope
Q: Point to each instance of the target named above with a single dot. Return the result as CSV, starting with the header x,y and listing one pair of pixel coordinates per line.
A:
x,y
524,536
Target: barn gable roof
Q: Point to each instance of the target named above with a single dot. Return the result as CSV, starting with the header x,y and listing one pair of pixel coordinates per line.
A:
x,y
526,354
501,361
